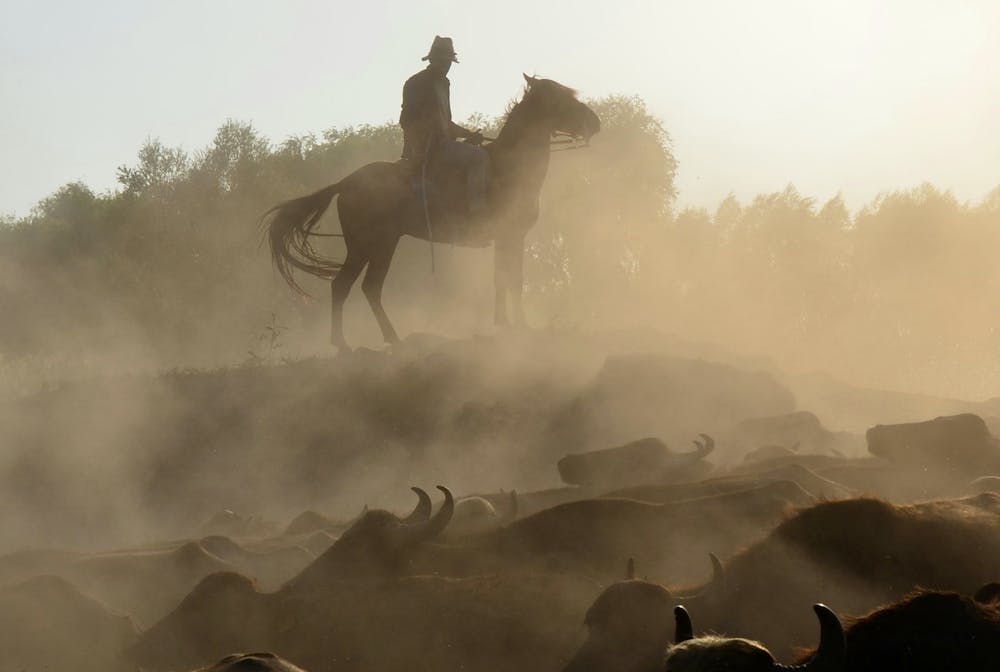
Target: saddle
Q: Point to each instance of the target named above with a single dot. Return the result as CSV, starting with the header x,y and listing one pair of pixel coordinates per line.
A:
x,y
445,189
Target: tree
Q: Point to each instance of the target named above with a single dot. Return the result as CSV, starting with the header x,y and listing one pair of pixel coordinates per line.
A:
x,y
235,156
607,206
159,167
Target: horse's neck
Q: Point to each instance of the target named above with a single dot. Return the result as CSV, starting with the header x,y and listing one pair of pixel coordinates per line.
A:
x,y
523,128
521,151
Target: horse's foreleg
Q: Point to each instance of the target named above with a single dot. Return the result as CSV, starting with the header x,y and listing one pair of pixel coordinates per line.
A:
x,y
509,278
378,268
340,287
501,282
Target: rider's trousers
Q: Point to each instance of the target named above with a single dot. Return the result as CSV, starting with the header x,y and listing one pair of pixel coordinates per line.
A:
x,y
475,162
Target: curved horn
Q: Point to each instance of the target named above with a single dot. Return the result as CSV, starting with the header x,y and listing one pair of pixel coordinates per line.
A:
x,y
714,587
630,569
444,514
706,446
683,630
718,573
411,535
831,656
423,509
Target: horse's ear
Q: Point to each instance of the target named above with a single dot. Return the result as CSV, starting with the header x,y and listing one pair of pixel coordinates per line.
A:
x,y
529,80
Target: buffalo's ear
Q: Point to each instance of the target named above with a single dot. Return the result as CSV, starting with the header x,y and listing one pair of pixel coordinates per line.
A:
x,y
528,79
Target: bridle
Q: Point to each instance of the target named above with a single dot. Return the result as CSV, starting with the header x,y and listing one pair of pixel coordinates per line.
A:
x,y
573,142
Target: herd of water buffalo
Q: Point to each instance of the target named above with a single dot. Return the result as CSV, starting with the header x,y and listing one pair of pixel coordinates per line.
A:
x,y
646,558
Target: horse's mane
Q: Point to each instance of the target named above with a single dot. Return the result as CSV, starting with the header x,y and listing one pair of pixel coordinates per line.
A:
x,y
551,83
541,85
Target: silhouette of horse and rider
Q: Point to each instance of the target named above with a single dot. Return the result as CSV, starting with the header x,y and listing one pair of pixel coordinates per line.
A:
x,y
442,190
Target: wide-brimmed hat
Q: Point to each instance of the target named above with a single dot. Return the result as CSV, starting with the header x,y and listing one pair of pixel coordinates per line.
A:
x,y
442,47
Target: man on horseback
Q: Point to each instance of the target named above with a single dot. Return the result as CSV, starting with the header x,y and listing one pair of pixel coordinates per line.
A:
x,y
429,134
375,214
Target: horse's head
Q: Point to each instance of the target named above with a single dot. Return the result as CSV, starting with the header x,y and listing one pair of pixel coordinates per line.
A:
x,y
558,105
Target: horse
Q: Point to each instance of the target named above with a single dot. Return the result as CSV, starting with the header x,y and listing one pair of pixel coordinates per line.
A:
x,y
381,202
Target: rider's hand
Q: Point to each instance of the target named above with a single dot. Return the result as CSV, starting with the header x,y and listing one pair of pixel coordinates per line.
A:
x,y
474,138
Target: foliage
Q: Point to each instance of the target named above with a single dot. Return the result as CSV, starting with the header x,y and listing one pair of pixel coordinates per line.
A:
x,y
903,294
172,261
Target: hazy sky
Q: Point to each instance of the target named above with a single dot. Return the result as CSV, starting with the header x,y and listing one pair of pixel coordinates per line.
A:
x,y
849,96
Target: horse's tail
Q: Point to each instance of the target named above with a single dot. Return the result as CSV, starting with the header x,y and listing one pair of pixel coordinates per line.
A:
x,y
289,226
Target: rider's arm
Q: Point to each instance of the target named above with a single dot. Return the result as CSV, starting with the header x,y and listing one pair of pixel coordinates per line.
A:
x,y
460,132
472,137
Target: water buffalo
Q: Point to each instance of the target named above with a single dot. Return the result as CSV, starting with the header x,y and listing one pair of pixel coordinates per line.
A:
x,y
144,583
662,493
856,554
957,443
591,537
713,653
232,524
378,543
927,631
809,481
269,567
647,460
628,628
309,522
475,514
488,623
252,662
597,536
789,433
46,623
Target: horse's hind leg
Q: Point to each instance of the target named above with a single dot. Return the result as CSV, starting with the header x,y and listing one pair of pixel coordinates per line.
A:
x,y
515,280
340,287
378,268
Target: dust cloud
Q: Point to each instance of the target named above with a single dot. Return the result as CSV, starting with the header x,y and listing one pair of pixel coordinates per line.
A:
x,y
161,385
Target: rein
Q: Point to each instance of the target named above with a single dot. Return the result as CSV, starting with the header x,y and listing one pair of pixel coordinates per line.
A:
x,y
561,138
574,143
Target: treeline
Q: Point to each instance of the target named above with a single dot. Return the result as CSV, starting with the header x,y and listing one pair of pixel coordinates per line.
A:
x,y
903,293
170,266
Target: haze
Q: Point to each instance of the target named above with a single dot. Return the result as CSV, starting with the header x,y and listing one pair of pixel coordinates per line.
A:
x,y
776,239
850,97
